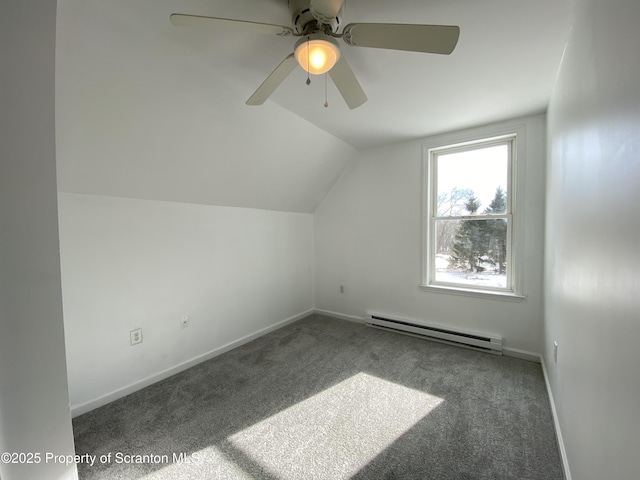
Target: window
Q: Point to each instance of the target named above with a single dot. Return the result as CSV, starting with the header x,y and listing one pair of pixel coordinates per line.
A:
x,y
470,209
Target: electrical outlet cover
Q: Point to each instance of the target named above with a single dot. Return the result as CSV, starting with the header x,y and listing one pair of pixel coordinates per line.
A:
x,y
136,336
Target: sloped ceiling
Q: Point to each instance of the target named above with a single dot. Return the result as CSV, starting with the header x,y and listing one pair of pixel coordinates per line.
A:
x,y
148,110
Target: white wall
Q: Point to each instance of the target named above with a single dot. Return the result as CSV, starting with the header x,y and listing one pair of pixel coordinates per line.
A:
x,y
143,264
592,276
34,401
368,238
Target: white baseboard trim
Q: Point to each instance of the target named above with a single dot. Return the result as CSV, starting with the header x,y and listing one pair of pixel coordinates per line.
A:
x,y
556,423
341,316
521,354
85,407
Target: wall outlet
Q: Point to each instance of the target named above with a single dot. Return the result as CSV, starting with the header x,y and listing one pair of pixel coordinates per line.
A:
x,y
136,336
555,352
184,321
341,288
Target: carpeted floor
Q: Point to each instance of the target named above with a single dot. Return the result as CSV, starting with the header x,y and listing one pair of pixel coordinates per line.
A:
x,y
329,399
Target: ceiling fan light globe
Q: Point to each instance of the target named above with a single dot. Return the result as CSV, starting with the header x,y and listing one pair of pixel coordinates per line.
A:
x,y
317,56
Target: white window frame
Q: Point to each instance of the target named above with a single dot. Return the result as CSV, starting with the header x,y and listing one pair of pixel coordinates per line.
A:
x,y
515,135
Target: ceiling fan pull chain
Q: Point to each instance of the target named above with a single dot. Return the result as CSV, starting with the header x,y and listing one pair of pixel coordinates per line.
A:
x,y
308,61
326,99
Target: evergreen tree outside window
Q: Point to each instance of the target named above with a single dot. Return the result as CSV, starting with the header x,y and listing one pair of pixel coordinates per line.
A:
x,y
470,216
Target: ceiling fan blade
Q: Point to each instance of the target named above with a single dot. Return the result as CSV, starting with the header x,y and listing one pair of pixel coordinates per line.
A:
x,y
272,82
440,39
325,9
347,84
181,20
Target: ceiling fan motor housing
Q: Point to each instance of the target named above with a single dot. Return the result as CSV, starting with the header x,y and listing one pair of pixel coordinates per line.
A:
x,y
304,21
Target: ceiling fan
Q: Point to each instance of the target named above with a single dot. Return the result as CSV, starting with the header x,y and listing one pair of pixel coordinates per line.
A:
x,y
317,22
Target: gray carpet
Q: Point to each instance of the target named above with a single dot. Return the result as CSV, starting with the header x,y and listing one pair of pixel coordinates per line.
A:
x,y
329,399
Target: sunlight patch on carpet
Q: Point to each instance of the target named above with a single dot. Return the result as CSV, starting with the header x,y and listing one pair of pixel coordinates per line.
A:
x,y
337,431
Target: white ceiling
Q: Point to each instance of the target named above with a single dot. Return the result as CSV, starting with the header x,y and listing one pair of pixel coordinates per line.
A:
x,y
148,110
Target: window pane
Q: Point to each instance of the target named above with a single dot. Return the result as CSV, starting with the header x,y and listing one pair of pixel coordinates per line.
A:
x,y
473,181
471,252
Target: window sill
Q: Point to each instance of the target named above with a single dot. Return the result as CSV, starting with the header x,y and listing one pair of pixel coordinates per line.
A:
x,y
469,292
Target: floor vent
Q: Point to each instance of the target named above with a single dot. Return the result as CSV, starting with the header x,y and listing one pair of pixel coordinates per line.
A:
x,y
475,341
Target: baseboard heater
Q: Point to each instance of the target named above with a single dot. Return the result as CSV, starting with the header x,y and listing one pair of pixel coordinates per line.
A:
x,y
485,343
